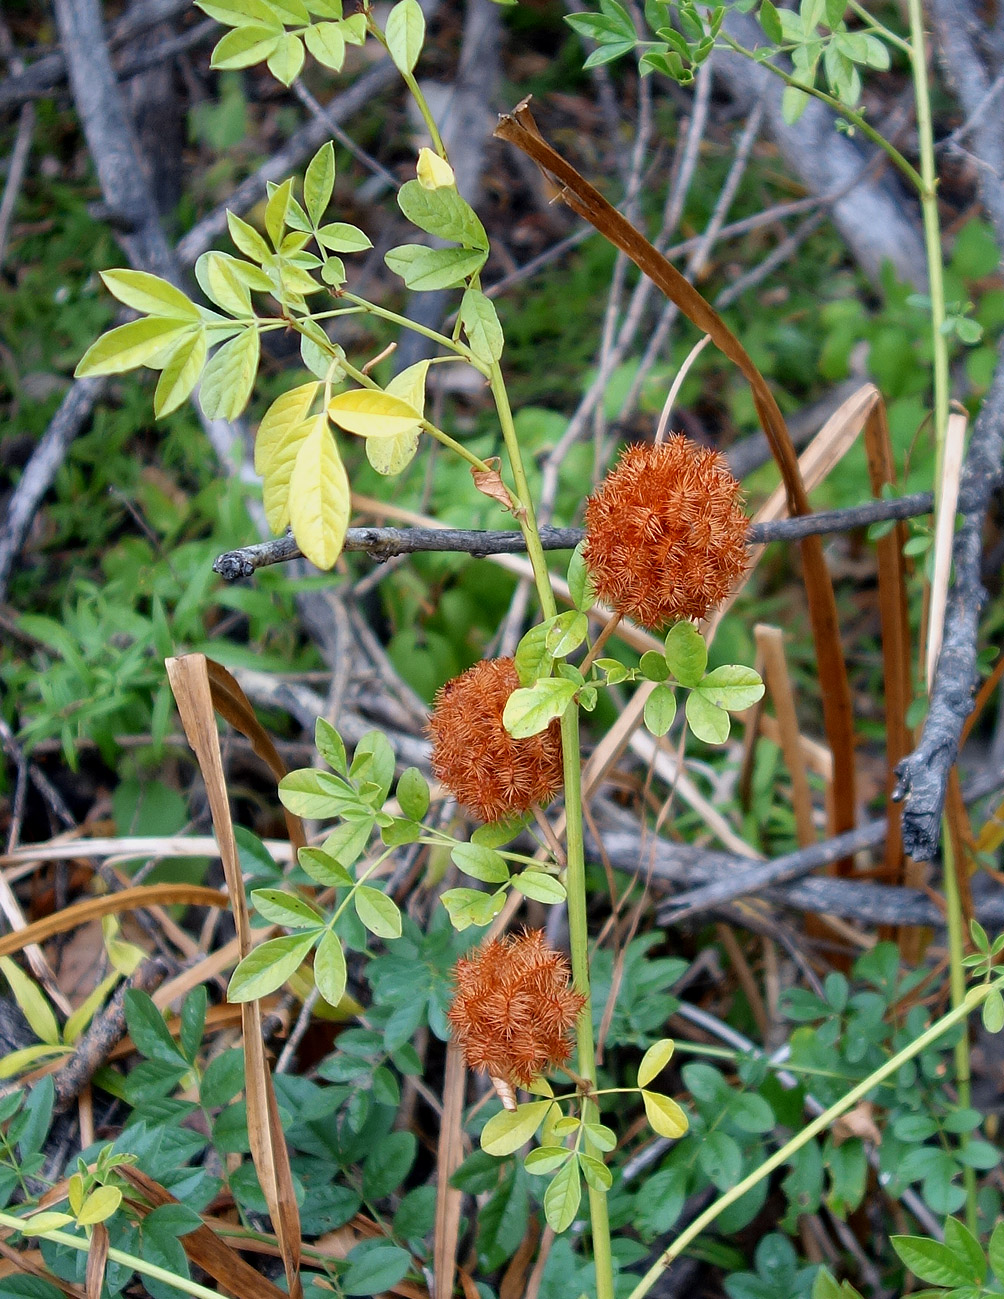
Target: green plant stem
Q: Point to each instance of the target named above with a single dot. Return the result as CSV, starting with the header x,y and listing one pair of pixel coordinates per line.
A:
x,y
972,999
851,115
474,461
393,318
928,190
427,118
939,346
872,23
957,987
578,934
413,89
575,875
526,517
116,1255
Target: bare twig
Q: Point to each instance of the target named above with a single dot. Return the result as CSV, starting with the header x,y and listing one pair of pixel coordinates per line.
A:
x,y
106,1030
19,154
961,35
698,258
41,469
382,544
721,878
923,774
42,76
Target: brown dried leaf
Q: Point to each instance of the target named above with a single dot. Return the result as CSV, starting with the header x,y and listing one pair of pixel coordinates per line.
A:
x,y
449,1200
97,1259
191,682
207,1250
143,895
857,1122
490,483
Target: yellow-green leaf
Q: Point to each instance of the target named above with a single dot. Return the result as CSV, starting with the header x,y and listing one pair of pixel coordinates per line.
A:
x,y
286,59
370,413
275,495
319,178
39,1223
562,1197
391,455
655,1060
319,497
275,211
506,1131
32,1001
244,46
222,285
181,373
85,1012
247,238
664,1115
285,413
377,911
329,969
15,1062
268,966
99,1205
341,237
129,346
149,294
405,32
481,325
409,385
327,44
240,13
230,376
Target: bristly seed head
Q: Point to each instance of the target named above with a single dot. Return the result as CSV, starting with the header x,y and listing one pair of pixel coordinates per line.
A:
x,y
477,759
666,533
513,1007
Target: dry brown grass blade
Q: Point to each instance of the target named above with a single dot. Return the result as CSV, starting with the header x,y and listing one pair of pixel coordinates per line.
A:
x,y
897,669
944,535
97,1261
450,1155
143,895
207,1250
233,706
17,1262
770,643
190,681
520,129
40,967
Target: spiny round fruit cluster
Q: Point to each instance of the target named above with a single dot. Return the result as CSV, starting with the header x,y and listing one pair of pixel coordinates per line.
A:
x,y
476,758
666,533
513,1007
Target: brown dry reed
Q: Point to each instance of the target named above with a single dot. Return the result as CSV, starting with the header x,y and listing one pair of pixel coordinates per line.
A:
x,y
666,533
513,1008
476,758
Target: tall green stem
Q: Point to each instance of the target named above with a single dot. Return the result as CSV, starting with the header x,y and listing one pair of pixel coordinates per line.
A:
x,y
704,1220
957,986
575,875
578,935
939,345
527,518
932,232
183,1284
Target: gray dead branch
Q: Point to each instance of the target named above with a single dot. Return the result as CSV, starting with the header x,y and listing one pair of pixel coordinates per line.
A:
x,y
923,774
971,56
873,214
